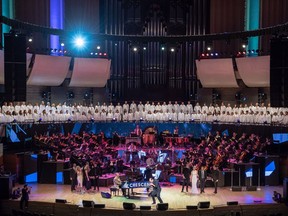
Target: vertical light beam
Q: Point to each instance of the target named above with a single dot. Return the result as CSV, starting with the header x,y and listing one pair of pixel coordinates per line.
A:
x,y
56,21
252,20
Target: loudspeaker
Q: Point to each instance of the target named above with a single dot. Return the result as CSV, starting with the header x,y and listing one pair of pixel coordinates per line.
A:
x,y
88,203
106,195
279,72
191,207
236,188
251,188
129,206
162,206
145,207
99,205
15,67
204,204
232,203
60,201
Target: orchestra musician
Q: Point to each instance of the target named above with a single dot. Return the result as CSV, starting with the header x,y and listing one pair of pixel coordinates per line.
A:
x,y
25,196
138,131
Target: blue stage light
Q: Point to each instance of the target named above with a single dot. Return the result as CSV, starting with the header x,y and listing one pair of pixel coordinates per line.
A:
x,y
79,42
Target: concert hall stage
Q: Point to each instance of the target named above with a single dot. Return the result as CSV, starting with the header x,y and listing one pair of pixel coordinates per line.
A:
x,y
45,194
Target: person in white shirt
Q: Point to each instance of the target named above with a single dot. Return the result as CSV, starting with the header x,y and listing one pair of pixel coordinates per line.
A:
x,y
189,107
197,108
181,116
140,106
182,107
110,108
125,106
119,108
211,109
133,107
204,108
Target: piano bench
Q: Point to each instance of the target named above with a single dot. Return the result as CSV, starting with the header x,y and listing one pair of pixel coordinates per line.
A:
x,y
114,190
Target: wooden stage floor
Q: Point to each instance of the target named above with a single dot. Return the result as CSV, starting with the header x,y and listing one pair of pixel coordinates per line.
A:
x,y
170,194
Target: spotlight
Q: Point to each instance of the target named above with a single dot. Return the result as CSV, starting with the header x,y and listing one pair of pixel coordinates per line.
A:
x,y
96,53
172,49
244,46
105,54
91,53
100,54
98,47
30,40
212,54
209,48
62,44
144,48
203,55
216,54
135,49
162,48
79,42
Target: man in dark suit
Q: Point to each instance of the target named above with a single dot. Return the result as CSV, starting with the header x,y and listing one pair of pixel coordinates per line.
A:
x,y
202,173
73,177
215,177
186,177
156,190
25,196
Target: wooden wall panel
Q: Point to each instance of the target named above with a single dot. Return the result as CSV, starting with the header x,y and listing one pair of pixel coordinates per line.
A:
x,y
227,16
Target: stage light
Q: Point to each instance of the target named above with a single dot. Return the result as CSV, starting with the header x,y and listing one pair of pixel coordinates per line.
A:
x,y
162,48
98,47
202,54
172,50
209,48
212,54
62,44
207,54
96,53
244,46
216,54
91,53
100,54
79,42
30,40
135,49
105,54
144,48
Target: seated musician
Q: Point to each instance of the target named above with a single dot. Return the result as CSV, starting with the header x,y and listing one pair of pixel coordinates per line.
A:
x,y
118,183
138,131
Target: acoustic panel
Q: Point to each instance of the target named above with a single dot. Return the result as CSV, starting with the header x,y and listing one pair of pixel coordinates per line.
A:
x,y
254,71
49,70
90,72
216,73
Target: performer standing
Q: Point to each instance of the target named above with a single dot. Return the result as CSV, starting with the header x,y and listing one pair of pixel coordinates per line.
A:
x,y
25,196
202,177
215,177
194,180
156,190
79,172
73,177
186,177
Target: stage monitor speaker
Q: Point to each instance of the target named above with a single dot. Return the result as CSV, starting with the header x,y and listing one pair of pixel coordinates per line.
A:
x,y
145,207
232,203
99,205
129,206
205,204
60,201
106,195
236,188
191,207
251,188
88,203
162,206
